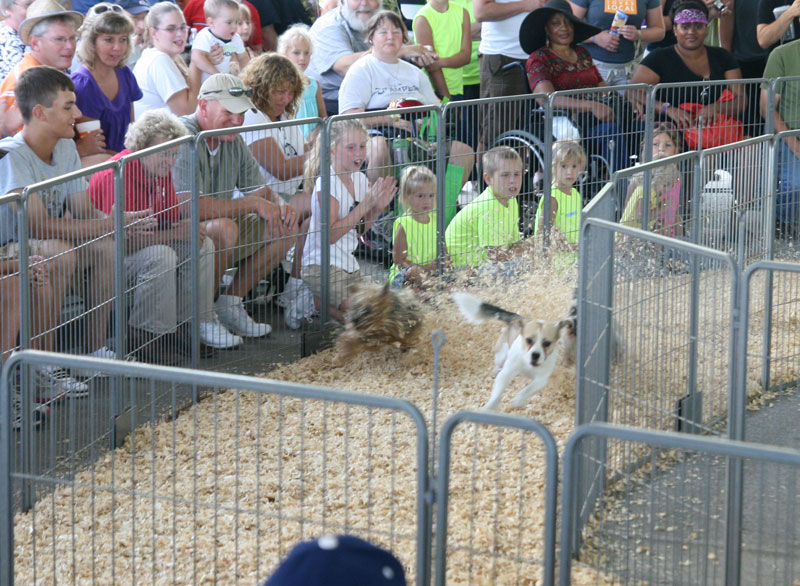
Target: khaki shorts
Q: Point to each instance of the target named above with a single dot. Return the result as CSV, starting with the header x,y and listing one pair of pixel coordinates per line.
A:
x,y
340,282
252,236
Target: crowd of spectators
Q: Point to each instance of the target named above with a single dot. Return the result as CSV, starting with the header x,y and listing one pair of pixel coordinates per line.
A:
x,y
98,81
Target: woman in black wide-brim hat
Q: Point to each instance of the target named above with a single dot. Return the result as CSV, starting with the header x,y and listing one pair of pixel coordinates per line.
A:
x,y
551,35
557,63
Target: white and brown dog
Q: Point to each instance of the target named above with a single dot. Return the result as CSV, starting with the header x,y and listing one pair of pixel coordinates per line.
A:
x,y
526,346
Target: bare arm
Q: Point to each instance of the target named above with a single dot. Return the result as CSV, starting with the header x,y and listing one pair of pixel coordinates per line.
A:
x,y
201,61
343,63
270,155
769,34
491,11
599,110
183,102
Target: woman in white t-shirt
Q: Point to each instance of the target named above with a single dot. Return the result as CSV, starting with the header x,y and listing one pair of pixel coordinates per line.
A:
x,y
378,78
161,72
277,87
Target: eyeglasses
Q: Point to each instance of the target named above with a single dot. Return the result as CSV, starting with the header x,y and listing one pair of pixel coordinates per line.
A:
x,y
63,40
174,29
101,8
234,91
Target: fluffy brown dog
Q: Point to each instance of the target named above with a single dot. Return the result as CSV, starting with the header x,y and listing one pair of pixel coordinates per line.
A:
x,y
378,316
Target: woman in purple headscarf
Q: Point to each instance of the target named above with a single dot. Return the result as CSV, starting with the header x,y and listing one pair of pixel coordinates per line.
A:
x,y
690,60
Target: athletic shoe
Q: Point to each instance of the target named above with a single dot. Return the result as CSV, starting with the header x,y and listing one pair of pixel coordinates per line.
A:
x,y
232,314
301,309
53,383
289,294
215,335
102,352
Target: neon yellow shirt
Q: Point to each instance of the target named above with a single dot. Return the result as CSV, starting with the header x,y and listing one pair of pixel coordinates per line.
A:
x,y
420,241
447,29
568,214
471,70
482,223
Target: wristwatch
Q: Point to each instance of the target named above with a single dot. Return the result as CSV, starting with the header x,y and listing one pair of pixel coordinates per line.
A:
x,y
664,107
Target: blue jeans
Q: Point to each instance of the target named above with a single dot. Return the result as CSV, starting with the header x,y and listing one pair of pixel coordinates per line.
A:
x,y
787,199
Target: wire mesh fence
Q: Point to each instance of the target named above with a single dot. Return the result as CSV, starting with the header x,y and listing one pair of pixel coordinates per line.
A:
x,y
220,491
505,461
697,511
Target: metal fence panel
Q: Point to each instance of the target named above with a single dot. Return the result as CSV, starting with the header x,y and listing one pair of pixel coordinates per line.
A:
x,y
675,519
222,490
489,530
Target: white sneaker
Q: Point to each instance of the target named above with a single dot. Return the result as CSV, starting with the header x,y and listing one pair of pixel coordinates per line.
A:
x,y
232,314
102,352
215,335
301,309
53,383
289,293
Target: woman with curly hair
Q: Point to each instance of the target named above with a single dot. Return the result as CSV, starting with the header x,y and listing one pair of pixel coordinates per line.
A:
x,y
277,87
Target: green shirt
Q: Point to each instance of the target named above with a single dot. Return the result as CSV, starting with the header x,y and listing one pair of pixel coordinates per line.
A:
x,y
471,70
447,28
568,214
230,167
482,223
420,241
784,61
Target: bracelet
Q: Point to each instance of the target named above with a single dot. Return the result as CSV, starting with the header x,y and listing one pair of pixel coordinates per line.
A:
x,y
664,107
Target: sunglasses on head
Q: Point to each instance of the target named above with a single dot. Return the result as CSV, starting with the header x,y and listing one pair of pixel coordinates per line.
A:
x,y
234,91
101,8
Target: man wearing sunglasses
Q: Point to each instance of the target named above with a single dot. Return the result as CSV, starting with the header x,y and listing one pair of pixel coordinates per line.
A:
x,y
250,228
51,34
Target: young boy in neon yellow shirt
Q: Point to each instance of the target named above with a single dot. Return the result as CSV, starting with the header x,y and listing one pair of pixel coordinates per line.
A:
x,y
485,227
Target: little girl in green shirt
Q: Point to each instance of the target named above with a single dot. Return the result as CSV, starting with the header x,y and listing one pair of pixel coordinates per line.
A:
x,y
569,161
414,232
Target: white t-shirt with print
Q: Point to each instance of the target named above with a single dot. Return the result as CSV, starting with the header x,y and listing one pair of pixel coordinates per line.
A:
x,y
205,40
342,250
290,139
371,84
159,79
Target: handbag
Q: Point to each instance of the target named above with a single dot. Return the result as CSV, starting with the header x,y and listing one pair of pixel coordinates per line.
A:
x,y
722,130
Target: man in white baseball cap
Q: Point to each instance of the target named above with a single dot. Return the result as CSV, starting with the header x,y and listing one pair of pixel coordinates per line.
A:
x,y
250,226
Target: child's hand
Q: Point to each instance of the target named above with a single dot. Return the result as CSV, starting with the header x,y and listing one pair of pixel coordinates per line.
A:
x,y
234,68
381,193
216,55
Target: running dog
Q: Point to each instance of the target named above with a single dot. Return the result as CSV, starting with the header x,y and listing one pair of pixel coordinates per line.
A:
x,y
378,316
526,346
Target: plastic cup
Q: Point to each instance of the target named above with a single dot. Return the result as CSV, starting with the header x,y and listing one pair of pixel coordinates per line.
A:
x,y
85,128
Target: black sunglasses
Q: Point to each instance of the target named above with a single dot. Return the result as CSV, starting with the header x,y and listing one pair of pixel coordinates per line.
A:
x,y
234,91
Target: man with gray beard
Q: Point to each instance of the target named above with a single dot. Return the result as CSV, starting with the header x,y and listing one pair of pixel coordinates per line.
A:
x,y
338,37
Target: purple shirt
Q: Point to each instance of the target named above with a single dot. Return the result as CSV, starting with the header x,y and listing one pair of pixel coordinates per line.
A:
x,y
114,115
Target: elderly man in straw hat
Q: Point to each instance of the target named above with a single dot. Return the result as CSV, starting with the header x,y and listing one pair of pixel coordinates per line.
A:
x,y
51,33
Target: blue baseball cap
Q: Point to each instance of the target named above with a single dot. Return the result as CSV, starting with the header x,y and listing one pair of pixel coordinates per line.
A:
x,y
135,6
341,560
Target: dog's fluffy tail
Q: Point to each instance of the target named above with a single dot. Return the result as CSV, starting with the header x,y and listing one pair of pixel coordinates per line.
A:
x,y
476,311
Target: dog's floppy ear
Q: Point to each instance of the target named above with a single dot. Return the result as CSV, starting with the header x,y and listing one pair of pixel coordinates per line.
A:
x,y
565,323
